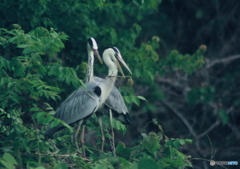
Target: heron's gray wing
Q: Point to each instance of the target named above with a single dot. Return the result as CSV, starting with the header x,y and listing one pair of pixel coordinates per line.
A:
x,y
116,103
79,105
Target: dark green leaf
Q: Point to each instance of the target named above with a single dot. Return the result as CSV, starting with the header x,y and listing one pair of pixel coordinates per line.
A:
x,y
19,69
147,163
9,158
141,98
123,151
224,117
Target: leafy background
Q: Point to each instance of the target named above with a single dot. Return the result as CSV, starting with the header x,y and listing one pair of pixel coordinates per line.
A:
x,y
185,61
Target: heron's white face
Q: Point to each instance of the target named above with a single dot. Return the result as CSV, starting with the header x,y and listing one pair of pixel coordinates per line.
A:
x,y
113,55
110,56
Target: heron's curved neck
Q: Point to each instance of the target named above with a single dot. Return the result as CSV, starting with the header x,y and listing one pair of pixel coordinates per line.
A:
x,y
89,77
108,83
112,71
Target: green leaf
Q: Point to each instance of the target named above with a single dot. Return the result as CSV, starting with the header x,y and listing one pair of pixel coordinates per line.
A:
x,y
182,142
147,163
224,117
54,123
127,99
19,69
61,165
41,32
7,165
59,43
23,46
5,63
188,141
135,100
40,167
9,158
142,98
123,151
151,143
168,162
13,62
35,109
27,51
8,161
176,144
100,166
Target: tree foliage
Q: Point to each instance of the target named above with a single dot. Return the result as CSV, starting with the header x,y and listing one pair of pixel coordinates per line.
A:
x,y
43,59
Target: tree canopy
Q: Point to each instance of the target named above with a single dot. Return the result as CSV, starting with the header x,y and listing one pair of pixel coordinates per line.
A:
x,y
183,95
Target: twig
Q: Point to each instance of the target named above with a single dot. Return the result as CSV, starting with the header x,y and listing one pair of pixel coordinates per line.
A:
x,y
209,129
235,131
225,60
56,155
180,116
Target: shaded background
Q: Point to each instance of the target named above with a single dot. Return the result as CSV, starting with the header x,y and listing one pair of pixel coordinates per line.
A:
x,y
202,105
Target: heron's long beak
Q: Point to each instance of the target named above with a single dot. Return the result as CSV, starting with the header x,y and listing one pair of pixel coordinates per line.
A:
x,y
119,67
124,64
95,51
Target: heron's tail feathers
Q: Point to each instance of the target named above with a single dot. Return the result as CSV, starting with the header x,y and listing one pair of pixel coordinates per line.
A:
x,y
125,119
50,132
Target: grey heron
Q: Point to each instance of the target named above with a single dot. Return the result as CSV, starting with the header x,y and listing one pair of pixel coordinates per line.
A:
x,y
114,103
92,50
116,107
82,103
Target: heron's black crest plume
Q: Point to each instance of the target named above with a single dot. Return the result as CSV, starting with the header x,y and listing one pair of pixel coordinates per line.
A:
x,y
90,42
115,49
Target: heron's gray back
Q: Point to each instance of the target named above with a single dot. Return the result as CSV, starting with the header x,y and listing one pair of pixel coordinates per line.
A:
x,y
80,104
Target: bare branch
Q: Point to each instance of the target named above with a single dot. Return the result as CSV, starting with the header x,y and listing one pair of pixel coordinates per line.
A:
x,y
209,129
225,60
180,116
235,131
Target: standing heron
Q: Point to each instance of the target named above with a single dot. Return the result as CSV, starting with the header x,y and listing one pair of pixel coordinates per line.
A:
x,y
116,107
92,50
114,104
83,102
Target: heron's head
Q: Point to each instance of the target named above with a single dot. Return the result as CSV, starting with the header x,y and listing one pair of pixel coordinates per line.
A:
x,y
113,55
92,46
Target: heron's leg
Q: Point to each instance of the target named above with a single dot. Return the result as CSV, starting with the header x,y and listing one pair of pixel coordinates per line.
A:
x,y
76,134
82,140
113,141
101,127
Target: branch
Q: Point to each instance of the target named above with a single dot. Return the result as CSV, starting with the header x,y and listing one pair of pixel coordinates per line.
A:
x,y
180,116
235,131
209,129
225,60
